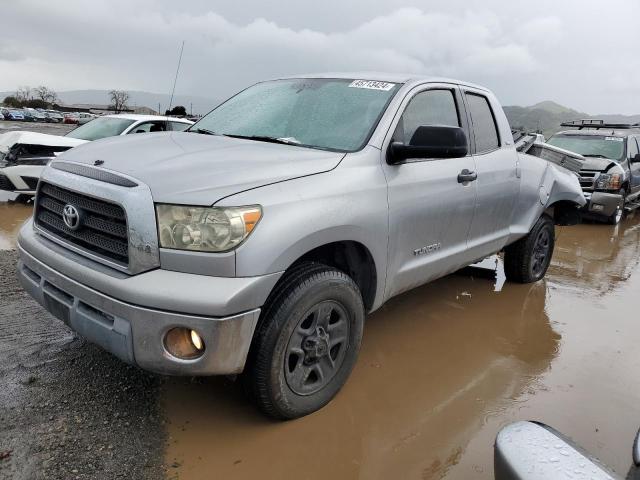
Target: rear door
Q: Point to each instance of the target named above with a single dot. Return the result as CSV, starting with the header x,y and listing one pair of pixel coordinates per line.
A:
x,y
634,166
498,181
429,210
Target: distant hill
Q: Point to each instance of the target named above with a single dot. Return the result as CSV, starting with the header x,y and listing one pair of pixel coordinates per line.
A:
x,y
546,117
201,105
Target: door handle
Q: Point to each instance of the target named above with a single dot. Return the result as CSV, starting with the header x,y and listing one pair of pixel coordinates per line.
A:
x,y
466,176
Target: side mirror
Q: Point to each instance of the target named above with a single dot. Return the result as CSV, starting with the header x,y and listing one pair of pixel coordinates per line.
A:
x,y
636,159
531,451
430,141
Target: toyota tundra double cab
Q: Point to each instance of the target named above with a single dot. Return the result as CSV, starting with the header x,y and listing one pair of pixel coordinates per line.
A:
x,y
610,174
255,242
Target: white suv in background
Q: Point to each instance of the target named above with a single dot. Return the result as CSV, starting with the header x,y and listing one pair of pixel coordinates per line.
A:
x,y
23,155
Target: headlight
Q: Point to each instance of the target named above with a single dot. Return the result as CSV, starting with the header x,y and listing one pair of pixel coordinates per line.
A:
x,y
205,229
609,181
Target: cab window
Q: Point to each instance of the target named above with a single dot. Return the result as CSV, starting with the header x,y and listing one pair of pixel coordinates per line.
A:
x,y
633,148
483,122
431,107
148,127
179,126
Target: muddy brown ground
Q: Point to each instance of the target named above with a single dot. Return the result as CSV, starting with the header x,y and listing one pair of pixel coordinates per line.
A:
x,y
442,368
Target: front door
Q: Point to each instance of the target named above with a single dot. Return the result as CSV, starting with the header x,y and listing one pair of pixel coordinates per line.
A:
x,y
430,212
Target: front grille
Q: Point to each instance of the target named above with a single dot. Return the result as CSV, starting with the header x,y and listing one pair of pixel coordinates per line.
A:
x,y
6,184
103,225
587,179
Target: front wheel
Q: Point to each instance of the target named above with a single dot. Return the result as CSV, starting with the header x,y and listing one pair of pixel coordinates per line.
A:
x,y
527,260
306,343
616,217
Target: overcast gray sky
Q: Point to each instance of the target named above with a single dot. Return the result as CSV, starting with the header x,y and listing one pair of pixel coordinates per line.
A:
x,y
581,53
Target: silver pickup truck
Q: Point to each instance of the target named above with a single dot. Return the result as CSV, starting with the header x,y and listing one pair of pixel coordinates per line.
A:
x,y
255,242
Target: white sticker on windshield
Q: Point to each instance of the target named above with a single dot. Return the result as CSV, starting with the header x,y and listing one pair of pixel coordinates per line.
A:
x,y
615,139
372,85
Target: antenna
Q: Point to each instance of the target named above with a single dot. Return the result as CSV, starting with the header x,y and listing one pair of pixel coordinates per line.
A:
x,y
176,77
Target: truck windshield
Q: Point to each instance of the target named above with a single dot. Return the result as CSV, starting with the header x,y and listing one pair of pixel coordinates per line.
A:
x,y
591,145
331,114
100,128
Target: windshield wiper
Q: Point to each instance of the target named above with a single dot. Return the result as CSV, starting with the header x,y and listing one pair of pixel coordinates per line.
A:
x,y
593,155
203,131
264,138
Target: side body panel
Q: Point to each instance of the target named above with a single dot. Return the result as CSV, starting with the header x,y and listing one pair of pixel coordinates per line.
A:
x,y
542,185
348,203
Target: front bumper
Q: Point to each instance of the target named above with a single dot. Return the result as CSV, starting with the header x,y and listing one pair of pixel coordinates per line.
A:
x,y
20,178
601,204
135,331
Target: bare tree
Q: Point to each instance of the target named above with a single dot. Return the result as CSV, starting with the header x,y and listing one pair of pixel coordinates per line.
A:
x,y
119,99
23,93
45,94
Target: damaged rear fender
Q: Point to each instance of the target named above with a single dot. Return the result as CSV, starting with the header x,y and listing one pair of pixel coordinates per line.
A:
x,y
545,187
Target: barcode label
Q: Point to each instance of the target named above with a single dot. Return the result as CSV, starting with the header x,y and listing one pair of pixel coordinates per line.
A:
x,y
372,85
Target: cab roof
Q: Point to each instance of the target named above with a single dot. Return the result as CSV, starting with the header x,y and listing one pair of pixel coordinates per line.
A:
x,y
135,117
601,132
386,77
597,127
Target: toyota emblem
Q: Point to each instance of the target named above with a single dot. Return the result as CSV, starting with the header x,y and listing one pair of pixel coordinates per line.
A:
x,y
71,216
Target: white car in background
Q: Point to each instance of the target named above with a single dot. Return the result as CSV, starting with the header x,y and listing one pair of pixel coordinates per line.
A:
x,y
23,155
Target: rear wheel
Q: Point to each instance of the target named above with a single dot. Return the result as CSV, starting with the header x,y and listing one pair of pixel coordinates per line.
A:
x,y
527,260
306,343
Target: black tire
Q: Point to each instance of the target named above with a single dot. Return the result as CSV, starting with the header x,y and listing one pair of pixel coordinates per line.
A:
x,y
618,215
527,260
310,305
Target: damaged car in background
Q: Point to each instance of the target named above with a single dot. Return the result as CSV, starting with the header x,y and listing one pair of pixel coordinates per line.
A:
x,y
23,155
256,242
610,171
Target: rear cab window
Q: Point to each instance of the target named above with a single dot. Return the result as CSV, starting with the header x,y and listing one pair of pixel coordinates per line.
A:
x,y
483,123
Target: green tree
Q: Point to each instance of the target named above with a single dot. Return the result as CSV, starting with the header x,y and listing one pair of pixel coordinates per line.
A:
x,y
12,101
177,111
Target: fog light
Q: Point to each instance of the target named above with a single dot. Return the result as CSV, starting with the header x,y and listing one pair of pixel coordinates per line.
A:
x,y
196,340
184,343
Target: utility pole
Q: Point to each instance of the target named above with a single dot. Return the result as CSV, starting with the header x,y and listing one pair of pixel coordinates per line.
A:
x,y
176,77
191,109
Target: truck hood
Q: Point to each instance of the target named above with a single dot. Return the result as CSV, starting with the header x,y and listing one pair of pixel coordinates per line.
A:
x,y
195,169
7,140
598,164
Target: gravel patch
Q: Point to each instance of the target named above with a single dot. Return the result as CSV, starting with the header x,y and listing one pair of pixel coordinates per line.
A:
x,y
69,410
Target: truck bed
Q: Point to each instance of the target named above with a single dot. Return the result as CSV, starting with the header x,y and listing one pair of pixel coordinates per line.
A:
x,y
534,144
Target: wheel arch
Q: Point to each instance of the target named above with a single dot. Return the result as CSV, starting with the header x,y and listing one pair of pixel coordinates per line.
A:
x,y
349,256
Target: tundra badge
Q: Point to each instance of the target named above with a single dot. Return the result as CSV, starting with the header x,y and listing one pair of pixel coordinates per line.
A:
x,y
434,247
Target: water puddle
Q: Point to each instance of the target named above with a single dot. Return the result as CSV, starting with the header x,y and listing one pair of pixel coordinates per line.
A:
x,y
12,216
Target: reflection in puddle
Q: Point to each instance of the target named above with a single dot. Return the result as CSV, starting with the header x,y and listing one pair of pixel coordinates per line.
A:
x,y
596,257
435,363
12,216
